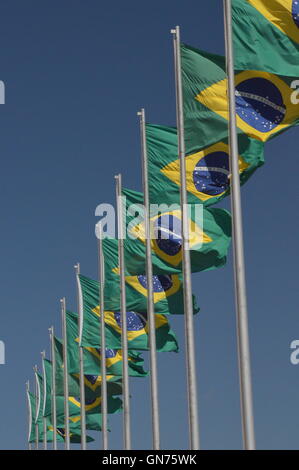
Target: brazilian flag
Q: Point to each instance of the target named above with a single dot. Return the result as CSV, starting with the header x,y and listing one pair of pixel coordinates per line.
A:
x,y
266,36
75,437
36,415
92,410
209,237
32,406
92,362
92,357
263,105
93,383
207,170
92,407
73,383
137,329
37,406
168,288
137,324
47,410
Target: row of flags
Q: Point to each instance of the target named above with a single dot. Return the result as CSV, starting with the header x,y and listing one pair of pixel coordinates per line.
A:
x,y
266,41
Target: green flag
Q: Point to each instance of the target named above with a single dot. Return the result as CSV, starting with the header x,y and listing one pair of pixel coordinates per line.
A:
x,y
168,288
93,382
36,413
92,397
263,105
92,357
209,237
48,396
75,437
92,408
73,384
137,324
47,410
32,407
35,404
137,330
92,362
207,169
266,35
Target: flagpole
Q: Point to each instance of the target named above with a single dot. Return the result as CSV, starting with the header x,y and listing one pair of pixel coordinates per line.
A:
x,y
150,295
187,283
81,365
238,248
43,354
53,389
65,376
29,414
124,336
37,398
101,265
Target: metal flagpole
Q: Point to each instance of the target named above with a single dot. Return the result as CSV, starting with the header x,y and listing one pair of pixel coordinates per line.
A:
x,y
65,377
188,301
101,264
81,364
238,248
124,336
37,405
43,353
29,414
150,297
53,389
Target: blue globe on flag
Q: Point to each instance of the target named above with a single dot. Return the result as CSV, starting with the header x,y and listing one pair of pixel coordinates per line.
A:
x,y
295,12
167,231
211,174
161,282
134,321
259,103
108,352
91,378
88,401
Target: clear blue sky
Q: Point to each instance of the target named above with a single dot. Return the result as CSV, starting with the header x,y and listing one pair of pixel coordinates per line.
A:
x,y
76,73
